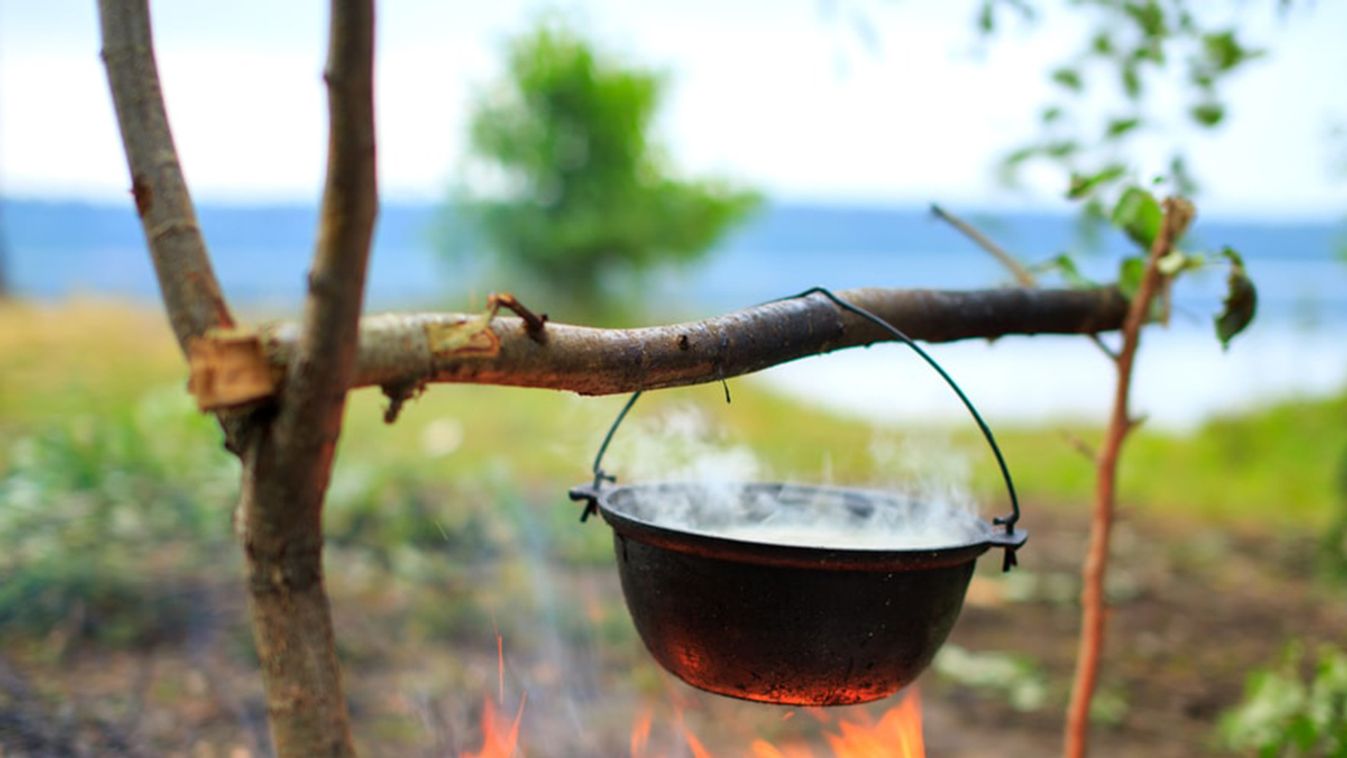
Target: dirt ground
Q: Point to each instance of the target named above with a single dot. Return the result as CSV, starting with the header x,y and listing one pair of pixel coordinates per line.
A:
x,y
1194,610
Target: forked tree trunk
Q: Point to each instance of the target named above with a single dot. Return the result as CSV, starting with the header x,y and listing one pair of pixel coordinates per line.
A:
x,y
287,444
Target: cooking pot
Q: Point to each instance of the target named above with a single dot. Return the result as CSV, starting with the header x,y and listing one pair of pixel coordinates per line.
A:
x,y
786,623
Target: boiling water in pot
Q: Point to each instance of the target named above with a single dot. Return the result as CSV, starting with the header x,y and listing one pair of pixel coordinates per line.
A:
x,y
804,516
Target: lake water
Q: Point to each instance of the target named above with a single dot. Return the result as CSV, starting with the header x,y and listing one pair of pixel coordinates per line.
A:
x,y
1296,346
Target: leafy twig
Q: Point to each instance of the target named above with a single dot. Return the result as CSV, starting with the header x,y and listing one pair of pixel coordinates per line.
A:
x,y
1178,214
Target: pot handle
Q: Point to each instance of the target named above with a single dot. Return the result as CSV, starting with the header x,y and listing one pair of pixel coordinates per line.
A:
x,y
600,476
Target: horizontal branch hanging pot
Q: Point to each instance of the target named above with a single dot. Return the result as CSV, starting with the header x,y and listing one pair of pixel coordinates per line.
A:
x,y
821,623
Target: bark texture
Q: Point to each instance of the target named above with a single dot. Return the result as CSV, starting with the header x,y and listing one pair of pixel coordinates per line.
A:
x,y
289,465
190,290
405,350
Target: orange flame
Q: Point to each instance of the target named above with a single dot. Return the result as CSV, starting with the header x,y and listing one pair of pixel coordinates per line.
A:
x,y
695,745
897,735
764,749
498,742
640,732
500,667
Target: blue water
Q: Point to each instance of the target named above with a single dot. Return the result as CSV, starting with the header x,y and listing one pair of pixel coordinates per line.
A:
x,y
261,254
55,250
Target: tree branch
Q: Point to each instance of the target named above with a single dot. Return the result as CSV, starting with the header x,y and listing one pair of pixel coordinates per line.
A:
x,y
287,470
1022,275
401,352
1178,214
1017,269
191,293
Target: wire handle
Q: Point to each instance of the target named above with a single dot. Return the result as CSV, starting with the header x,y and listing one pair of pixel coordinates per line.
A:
x,y
600,476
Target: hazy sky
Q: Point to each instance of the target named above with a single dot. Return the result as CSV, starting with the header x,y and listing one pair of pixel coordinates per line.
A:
x,y
783,94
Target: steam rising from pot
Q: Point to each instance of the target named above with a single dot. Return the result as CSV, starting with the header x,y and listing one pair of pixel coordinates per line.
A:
x,y
924,501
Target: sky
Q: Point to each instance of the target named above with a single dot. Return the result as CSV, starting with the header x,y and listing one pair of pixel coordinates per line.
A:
x,y
785,95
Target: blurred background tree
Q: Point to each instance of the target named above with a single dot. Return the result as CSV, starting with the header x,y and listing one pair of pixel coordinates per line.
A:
x,y
575,197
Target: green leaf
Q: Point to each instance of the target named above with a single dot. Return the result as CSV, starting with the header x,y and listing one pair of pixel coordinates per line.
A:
x,y
1065,265
1102,44
1151,51
1149,18
1131,80
1061,148
1224,51
1050,115
1177,261
1241,301
1130,272
1021,155
1208,114
1069,78
1184,183
987,17
1008,171
1083,184
1120,126
1138,214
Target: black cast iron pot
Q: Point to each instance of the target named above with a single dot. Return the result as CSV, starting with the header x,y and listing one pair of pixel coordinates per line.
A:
x,y
786,623
783,623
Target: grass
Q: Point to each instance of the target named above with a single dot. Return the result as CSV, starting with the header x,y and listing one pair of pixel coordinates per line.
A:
x,y
1274,467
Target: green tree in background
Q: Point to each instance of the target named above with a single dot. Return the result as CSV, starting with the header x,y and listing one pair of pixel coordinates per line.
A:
x,y
583,198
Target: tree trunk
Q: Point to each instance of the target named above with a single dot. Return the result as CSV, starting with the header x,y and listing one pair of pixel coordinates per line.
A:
x,y
287,443
292,623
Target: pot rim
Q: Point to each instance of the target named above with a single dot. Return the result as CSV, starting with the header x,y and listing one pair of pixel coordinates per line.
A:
x,y
792,556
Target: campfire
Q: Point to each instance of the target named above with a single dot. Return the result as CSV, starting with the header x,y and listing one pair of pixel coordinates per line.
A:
x,y
895,732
